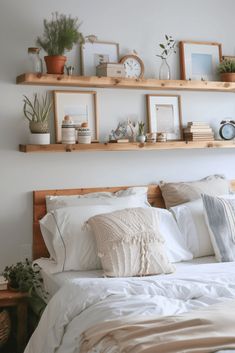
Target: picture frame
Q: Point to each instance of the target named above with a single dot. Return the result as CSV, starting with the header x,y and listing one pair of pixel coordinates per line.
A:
x,y
199,60
95,53
80,105
164,115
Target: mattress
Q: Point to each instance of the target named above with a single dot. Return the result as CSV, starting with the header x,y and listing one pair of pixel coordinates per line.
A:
x,y
54,281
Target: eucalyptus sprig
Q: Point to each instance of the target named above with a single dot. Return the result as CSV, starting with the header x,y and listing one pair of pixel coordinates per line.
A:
x,y
168,48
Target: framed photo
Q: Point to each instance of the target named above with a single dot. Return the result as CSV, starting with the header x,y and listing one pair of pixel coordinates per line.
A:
x,y
95,53
199,60
80,105
164,115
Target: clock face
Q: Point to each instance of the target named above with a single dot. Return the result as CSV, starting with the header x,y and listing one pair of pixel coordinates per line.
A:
x,y
227,131
134,67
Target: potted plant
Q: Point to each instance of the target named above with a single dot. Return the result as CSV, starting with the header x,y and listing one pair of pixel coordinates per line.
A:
x,y
226,70
60,34
141,136
37,112
167,49
23,277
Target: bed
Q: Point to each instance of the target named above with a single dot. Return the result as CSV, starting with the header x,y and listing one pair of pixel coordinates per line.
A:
x,y
85,304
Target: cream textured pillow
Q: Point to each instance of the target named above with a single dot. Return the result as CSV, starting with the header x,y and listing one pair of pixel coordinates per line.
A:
x,y
176,193
129,243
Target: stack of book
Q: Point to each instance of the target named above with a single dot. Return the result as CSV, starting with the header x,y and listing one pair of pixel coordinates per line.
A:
x,y
198,131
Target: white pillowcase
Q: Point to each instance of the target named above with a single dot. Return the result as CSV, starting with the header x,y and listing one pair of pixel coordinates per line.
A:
x,y
98,198
73,247
191,221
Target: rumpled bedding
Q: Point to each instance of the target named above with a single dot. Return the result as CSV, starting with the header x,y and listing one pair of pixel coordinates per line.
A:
x,y
86,302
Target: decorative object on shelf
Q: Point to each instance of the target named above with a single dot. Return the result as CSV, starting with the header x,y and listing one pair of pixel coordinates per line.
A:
x,y
227,129
84,134
141,136
94,53
133,65
151,137
24,277
226,69
60,34
126,130
167,49
110,70
81,106
69,70
161,137
199,60
35,62
164,115
37,113
198,131
5,327
68,132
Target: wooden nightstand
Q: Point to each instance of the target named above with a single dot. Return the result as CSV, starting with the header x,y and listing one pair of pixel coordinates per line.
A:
x,y
20,301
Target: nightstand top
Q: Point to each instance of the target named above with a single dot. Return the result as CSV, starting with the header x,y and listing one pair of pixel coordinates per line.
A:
x,y
8,294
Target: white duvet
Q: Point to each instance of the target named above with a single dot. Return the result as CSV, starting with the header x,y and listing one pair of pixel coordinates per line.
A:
x,y
85,302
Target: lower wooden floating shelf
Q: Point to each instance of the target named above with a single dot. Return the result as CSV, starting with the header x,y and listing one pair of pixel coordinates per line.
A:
x,y
131,146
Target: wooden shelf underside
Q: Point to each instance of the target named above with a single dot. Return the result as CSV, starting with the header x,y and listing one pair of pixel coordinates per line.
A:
x,y
110,82
112,147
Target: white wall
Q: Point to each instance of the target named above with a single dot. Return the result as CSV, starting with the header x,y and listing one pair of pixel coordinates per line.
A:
x,y
135,24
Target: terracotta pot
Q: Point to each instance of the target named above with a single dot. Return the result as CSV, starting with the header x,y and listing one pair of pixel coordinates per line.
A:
x,y
55,64
228,77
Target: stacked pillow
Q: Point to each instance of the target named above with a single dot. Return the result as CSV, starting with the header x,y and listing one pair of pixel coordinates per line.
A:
x,y
71,243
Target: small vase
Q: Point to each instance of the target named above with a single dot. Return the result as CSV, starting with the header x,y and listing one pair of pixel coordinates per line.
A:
x,y
164,71
140,138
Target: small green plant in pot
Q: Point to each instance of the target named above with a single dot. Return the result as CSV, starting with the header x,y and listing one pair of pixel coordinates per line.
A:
x,y
60,34
37,112
226,69
141,136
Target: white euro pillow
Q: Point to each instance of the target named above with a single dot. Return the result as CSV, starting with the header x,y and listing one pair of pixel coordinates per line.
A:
x,y
191,221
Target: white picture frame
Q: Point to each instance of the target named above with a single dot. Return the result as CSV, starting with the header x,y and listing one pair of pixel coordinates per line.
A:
x,y
95,53
80,105
164,115
199,60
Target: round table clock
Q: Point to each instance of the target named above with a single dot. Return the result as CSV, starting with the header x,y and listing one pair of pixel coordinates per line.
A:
x,y
227,129
134,66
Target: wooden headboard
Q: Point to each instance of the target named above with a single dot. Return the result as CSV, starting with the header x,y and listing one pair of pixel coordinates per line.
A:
x,y
39,209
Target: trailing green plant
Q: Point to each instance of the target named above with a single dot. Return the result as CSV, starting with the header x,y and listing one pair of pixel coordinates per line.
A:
x,y
141,128
60,34
226,66
36,110
25,277
168,48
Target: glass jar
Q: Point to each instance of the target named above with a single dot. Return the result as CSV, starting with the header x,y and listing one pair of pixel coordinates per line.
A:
x,y
35,62
164,71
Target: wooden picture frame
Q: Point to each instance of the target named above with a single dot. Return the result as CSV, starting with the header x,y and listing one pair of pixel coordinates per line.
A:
x,y
199,60
80,105
95,53
164,115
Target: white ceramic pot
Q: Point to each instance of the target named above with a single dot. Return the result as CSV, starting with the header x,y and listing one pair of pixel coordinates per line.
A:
x,y
84,135
140,138
39,139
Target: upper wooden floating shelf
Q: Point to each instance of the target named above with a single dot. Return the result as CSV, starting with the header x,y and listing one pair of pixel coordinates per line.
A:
x,y
112,147
111,82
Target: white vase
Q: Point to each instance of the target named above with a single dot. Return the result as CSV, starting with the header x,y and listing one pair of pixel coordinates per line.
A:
x,y
140,138
164,71
39,139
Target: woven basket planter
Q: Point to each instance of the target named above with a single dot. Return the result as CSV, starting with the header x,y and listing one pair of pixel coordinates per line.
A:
x,y
5,327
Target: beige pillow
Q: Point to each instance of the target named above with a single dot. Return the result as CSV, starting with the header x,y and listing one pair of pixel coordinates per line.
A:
x,y
176,193
129,243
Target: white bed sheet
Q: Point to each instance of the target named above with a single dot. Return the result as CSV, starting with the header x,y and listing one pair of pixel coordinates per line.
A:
x,y
54,281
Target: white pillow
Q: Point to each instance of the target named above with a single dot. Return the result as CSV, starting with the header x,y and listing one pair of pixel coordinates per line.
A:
x,y
97,198
191,221
129,243
68,243
174,242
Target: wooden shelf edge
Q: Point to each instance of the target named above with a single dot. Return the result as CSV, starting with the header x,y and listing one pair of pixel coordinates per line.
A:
x,y
112,147
111,82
